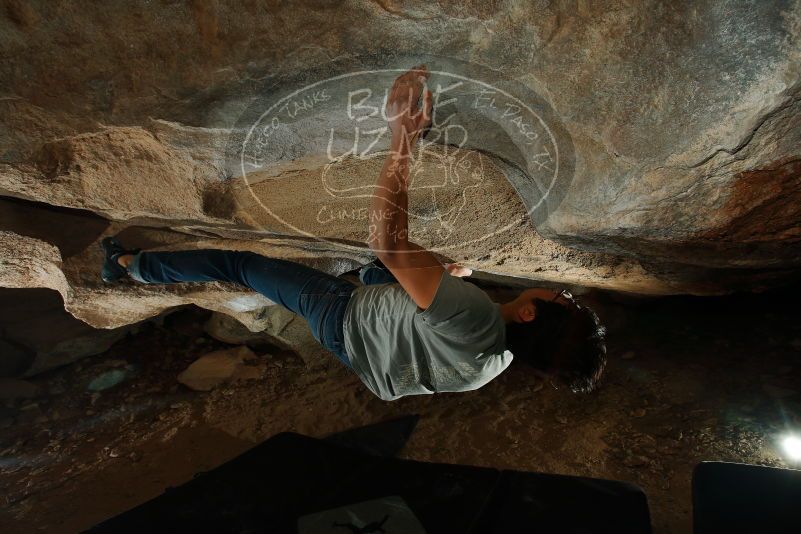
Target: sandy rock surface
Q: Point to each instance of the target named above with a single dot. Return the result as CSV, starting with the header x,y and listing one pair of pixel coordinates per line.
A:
x,y
643,147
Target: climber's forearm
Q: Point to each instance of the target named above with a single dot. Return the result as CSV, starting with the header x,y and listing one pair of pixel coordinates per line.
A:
x,y
388,228
415,268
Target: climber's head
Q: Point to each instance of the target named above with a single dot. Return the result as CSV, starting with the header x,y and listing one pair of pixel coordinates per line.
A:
x,y
557,336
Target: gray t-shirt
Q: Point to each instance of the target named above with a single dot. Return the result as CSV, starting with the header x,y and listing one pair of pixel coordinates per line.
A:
x,y
457,344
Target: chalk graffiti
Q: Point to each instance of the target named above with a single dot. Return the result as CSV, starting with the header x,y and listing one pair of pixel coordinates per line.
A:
x,y
343,118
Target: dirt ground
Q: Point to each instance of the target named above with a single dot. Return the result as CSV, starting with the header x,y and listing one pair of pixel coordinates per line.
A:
x,y
689,379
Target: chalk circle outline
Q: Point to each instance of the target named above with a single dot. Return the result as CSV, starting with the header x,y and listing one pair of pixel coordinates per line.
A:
x,y
516,222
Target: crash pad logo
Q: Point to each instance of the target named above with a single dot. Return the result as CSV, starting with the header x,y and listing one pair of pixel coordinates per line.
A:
x,y
326,142
385,515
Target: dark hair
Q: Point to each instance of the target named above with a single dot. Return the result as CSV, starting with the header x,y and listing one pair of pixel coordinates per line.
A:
x,y
565,342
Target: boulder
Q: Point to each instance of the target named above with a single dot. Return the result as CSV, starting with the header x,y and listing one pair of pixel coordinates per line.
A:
x,y
215,368
643,147
278,327
110,378
676,127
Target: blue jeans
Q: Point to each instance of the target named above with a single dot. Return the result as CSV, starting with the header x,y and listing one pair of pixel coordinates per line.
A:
x,y
317,296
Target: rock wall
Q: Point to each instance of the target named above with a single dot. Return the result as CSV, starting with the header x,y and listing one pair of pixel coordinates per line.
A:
x,y
672,132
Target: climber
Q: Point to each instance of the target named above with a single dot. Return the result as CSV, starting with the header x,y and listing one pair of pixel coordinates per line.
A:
x,y
413,326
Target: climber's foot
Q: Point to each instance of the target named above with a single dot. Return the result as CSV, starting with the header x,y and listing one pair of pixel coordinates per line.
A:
x,y
112,250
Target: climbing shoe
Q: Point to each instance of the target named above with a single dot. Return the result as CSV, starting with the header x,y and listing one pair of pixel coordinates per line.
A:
x,y
113,249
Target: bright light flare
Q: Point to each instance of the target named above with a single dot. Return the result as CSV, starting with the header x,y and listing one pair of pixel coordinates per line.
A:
x,y
792,447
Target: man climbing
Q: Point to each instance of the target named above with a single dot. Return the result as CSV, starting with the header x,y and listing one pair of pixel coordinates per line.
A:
x,y
414,327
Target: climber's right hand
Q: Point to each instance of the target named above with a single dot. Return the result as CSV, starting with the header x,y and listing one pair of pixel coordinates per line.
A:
x,y
406,120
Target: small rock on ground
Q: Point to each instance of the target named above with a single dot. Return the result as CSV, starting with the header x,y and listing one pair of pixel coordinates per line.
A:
x,y
215,368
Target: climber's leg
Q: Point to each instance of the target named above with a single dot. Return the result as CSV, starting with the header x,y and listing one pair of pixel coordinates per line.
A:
x,y
317,296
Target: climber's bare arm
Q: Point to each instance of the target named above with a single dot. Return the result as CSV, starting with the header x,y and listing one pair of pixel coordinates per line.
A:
x,y
417,270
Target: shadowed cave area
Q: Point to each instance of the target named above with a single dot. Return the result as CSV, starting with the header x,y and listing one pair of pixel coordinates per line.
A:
x,y
643,157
